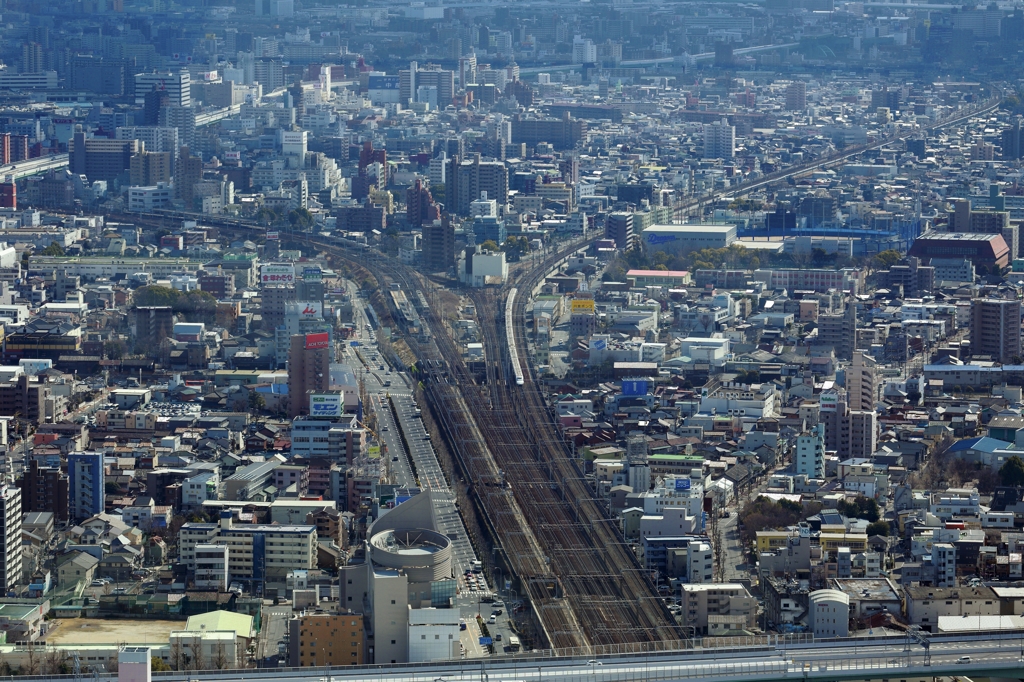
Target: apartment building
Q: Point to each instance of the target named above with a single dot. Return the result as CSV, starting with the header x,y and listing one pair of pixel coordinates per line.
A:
x,y
326,639
256,552
701,603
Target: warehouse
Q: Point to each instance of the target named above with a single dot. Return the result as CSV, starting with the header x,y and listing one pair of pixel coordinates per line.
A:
x,y
682,239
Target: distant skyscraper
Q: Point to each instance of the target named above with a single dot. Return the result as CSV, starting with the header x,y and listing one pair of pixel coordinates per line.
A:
x,y
861,382
796,96
309,369
177,85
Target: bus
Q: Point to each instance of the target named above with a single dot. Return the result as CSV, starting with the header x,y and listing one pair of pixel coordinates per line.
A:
x,y
513,643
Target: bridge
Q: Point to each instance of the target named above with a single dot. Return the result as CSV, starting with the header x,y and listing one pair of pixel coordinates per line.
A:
x,y
28,167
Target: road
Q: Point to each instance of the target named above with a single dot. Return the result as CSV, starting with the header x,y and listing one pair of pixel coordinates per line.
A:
x,y
275,625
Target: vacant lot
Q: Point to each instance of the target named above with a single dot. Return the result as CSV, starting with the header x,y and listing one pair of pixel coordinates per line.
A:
x,y
96,631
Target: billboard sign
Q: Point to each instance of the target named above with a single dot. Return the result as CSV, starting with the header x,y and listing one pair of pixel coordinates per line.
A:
x,y
829,402
653,239
273,235
312,274
682,484
318,341
583,305
598,344
382,83
634,387
325,404
277,273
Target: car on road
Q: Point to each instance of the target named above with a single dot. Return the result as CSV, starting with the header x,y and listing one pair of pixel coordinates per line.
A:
x,y
964,659
497,637
120,590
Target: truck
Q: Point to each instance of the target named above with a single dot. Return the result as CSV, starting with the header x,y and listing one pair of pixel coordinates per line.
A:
x,y
478,566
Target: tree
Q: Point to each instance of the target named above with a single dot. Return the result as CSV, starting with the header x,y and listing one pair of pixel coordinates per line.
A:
x,y
878,528
115,349
256,402
54,249
1012,472
860,508
888,258
300,218
159,665
489,245
220,658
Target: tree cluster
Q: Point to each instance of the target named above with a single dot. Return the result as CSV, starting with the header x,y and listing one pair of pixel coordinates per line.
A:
x,y
764,513
860,508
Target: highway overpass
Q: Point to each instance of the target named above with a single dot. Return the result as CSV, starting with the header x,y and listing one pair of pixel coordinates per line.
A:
x,y
23,169
891,658
627,63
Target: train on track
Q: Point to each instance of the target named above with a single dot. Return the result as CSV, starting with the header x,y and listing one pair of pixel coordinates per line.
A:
x,y
515,367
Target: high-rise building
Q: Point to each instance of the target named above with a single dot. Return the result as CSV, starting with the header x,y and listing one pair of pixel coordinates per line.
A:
x,y
849,433
153,324
182,119
100,158
809,459
619,227
188,170
178,86
796,96
719,140
1012,141
275,297
86,485
430,76
8,192
439,245
45,489
309,370
420,206
862,382
474,177
10,536
995,329
839,330
149,168
33,58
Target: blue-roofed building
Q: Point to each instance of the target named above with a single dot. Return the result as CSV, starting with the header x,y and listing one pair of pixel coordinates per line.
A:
x,y
983,450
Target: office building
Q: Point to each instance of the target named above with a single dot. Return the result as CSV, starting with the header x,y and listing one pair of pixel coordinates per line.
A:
x,y
862,382
86,485
178,86
838,330
275,297
99,158
100,75
188,170
719,140
982,249
326,639
44,489
809,458
182,119
1012,141
439,246
995,329
561,133
8,193
23,396
10,536
309,369
256,552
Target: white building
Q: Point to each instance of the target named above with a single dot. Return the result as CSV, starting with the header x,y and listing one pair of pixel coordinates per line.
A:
x,y
212,572
809,459
719,140
337,441
675,492
742,400
583,51
713,351
829,614
144,199
483,269
10,536
177,85
199,488
682,239
433,634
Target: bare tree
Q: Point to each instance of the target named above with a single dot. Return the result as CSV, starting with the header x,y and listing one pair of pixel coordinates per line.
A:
x,y
178,659
31,661
195,650
220,657
53,661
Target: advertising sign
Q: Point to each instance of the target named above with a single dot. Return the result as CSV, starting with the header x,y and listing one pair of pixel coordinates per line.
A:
x,y
654,238
312,274
277,273
317,341
382,83
325,404
273,235
583,305
485,641
829,402
373,452
682,484
598,344
634,387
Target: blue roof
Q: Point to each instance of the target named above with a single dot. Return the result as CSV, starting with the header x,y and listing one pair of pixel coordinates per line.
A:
x,y
983,444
